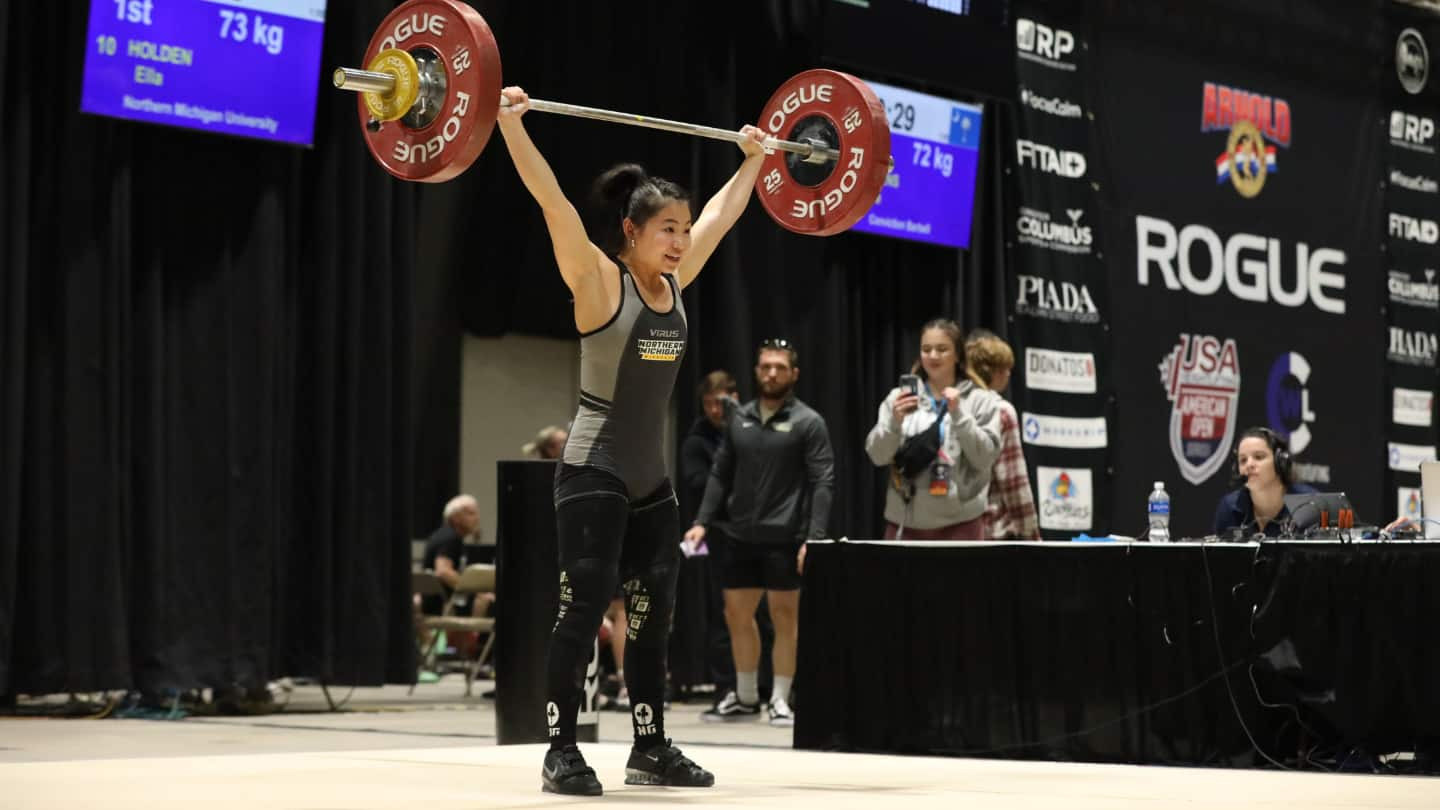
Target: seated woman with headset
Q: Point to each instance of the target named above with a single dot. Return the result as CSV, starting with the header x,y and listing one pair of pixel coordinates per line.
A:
x,y
1264,475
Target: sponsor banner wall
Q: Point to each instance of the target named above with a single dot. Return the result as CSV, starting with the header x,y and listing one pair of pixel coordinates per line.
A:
x,y
1411,221
1059,302
1241,213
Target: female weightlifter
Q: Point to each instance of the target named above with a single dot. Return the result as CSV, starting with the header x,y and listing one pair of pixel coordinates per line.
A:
x,y
615,509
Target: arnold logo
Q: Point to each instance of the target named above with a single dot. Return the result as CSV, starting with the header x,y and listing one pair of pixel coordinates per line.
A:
x,y
1035,227
1201,376
1057,301
1251,119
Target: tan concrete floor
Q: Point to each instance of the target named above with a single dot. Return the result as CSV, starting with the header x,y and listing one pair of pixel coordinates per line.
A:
x,y
436,749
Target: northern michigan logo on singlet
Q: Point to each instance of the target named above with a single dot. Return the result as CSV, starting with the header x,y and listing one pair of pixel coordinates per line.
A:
x,y
662,345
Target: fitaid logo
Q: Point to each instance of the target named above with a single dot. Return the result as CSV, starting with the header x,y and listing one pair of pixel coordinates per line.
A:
x,y
1414,229
1045,158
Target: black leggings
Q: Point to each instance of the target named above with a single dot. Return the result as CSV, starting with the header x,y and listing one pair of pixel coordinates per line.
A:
x,y
606,539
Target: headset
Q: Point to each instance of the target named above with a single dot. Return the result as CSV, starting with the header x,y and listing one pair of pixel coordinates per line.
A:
x,y
1278,449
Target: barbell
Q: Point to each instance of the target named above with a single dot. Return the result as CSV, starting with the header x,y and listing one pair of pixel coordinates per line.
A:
x,y
431,64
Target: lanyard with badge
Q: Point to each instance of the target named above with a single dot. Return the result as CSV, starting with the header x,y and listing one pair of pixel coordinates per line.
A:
x,y
940,467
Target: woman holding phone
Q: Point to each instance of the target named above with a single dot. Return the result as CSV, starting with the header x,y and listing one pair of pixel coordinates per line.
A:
x,y
940,403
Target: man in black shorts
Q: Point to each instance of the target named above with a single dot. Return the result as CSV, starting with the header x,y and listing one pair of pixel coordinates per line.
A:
x,y
775,473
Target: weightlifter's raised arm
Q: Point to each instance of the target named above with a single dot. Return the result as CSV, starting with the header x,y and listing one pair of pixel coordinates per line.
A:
x,y
723,209
576,256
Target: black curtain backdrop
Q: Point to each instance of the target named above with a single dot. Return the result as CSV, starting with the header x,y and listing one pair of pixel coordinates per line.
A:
x,y
229,388
205,389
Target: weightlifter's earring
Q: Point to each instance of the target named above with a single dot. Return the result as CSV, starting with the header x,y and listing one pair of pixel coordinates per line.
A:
x,y
632,243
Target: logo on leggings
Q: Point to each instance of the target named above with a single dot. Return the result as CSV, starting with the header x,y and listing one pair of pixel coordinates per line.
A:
x,y
552,718
644,720
567,596
639,608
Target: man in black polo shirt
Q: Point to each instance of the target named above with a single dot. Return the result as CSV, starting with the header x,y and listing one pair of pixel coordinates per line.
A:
x,y
775,474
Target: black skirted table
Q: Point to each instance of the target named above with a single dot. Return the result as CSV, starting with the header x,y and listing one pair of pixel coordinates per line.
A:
x,y
1118,652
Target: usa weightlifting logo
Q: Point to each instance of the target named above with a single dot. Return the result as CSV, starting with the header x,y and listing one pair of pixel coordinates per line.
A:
x,y
1201,375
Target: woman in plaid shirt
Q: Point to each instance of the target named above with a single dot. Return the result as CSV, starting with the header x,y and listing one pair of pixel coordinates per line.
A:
x,y
1010,513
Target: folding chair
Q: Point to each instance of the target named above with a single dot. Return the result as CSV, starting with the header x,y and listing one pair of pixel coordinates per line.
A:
x,y
475,579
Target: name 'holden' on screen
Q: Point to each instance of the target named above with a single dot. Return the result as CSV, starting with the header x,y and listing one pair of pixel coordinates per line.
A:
x,y
929,195
212,65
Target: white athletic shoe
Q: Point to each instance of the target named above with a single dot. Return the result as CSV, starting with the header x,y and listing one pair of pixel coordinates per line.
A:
x,y
781,714
729,708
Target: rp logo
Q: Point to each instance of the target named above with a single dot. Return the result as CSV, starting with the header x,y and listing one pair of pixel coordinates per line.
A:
x,y
1032,428
1287,400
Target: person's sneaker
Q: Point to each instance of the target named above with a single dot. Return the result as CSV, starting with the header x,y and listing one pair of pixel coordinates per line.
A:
x,y
565,772
665,765
781,714
730,708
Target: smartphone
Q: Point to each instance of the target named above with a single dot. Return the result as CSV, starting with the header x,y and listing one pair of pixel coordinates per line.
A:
x,y
910,383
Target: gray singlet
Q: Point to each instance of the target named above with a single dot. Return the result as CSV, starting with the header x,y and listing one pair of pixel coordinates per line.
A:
x,y
627,371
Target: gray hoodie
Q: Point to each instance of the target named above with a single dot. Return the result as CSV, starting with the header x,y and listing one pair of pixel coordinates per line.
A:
x,y
972,442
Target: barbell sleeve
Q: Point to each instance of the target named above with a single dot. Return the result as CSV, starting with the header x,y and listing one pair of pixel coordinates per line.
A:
x,y
364,81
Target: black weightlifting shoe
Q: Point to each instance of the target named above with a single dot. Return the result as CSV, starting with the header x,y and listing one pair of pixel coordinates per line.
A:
x,y
665,765
565,772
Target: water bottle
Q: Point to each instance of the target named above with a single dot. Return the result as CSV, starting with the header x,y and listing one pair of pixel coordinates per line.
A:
x,y
1159,509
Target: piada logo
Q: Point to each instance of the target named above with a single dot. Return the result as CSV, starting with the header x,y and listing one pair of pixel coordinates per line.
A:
x,y
1201,375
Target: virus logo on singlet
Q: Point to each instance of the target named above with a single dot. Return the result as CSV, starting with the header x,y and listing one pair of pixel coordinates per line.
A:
x,y
660,346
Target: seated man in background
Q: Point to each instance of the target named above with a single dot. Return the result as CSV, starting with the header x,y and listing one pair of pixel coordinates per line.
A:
x,y
445,550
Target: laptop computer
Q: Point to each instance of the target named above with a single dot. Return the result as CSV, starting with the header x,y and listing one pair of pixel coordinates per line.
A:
x,y
1430,499
1306,508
